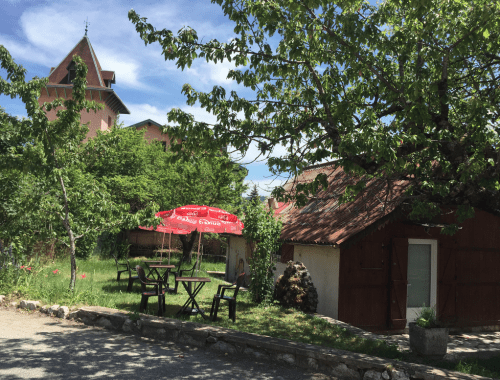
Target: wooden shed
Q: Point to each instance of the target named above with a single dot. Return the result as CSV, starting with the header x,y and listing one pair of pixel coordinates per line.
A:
x,y
374,268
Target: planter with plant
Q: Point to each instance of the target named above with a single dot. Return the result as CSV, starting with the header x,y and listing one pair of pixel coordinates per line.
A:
x,y
427,337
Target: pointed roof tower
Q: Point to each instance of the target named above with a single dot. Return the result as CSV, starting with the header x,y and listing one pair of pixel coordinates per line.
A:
x,y
97,79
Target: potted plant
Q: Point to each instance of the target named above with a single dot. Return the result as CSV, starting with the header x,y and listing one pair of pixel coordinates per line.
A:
x,y
427,337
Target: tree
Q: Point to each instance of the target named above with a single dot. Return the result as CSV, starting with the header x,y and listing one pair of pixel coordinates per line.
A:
x,y
59,196
401,90
136,172
254,195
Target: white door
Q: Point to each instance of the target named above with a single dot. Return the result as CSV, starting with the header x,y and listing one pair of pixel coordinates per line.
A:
x,y
422,276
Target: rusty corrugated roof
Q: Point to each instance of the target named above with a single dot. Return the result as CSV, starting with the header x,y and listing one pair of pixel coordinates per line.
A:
x,y
324,221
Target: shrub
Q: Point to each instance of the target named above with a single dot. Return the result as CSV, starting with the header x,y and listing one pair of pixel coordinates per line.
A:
x,y
262,231
295,288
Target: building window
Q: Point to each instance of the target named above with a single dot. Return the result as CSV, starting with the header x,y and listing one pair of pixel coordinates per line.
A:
x,y
110,122
164,144
71,72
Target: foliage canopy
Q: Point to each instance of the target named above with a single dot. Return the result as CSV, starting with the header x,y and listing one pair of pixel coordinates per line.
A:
x,y
404,90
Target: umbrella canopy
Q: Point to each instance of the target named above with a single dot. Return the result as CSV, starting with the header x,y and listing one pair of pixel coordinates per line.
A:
x,y
202,218
167,230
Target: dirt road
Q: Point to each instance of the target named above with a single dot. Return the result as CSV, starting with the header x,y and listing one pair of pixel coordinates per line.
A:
x,y
33,345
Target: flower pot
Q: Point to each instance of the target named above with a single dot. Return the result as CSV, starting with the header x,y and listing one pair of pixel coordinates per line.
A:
x,y
428,342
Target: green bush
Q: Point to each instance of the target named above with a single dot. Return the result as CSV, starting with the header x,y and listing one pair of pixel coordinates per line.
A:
x,y
262,231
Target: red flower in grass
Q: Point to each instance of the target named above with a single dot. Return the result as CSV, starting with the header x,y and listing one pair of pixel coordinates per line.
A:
x,y
28,268
55,271
83,275
22,266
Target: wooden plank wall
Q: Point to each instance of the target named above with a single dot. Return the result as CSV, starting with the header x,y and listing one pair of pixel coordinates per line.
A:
x,y
468,274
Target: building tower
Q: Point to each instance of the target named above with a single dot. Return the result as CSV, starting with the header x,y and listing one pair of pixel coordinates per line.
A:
x,y
98,88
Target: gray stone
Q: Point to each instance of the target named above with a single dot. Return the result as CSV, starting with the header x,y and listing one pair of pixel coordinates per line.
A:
x,y
312,363
287,358
223,347
128,326
155,333
192,341
428,342
344,372
385,375
63,312
2,298
211,339
73,315
30,305
104,322
53,309
372,375
117,320
399,375
44,309
13,304
256,354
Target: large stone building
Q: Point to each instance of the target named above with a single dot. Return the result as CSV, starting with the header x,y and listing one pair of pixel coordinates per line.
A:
x,y
99,89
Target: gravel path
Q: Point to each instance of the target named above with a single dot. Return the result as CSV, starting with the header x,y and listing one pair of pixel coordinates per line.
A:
x,y
33,345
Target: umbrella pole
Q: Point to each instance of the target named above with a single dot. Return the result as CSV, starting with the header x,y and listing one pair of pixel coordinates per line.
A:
x,y
169,241
198,256
161,252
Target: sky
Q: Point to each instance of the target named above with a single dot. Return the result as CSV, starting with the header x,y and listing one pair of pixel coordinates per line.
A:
x,y
39,34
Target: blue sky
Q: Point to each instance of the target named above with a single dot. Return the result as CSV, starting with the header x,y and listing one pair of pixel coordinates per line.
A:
x,y
39,34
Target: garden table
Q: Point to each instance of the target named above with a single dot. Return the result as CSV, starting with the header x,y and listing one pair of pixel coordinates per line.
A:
x,y
155,269
148,264
195,308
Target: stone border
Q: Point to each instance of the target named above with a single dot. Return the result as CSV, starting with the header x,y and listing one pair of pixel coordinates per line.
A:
x,y
342,364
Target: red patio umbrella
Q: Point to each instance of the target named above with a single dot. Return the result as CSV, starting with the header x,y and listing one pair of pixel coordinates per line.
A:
x,y
166,230
202,219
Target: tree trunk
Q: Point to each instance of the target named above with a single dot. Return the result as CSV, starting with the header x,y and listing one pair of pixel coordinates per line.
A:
x,y
67,226
73,260
187,246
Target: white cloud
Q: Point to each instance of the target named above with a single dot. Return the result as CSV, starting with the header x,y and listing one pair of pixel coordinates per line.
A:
x,y
21,51
126,69
218,72
140,112
39,23
253,153
264,186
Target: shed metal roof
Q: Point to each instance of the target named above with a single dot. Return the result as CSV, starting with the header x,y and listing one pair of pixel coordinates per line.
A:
x,y
323,220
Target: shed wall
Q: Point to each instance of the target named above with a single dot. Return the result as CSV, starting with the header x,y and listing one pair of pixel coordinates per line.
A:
x,y
322,262
468,288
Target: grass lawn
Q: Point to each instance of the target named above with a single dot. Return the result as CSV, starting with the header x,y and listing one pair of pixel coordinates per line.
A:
x,y
96,285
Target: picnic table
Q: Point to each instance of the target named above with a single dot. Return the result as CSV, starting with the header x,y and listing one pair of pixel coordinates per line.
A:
x,y
195,308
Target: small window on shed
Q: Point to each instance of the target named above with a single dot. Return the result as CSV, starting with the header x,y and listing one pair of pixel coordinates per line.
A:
x,y
286,251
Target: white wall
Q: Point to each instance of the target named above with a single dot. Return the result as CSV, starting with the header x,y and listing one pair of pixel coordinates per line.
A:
x,y
322,263
237,262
